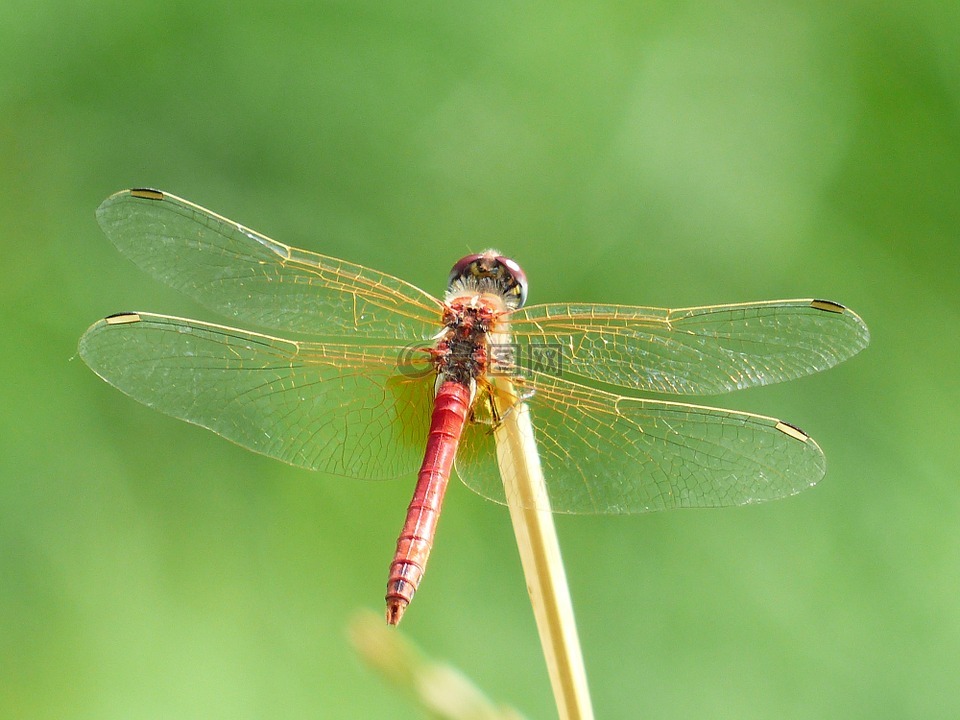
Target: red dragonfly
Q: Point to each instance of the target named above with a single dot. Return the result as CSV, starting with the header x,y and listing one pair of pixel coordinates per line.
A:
x,y
381,368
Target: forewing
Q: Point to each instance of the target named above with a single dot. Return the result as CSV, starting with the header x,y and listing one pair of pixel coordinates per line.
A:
x,y
360,411
606,454
244,275
691,351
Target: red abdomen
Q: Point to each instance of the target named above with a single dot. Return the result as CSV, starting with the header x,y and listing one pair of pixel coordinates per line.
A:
x,y
413,546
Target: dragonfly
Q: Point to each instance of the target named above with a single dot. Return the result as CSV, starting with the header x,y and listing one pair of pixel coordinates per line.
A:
x,y
354,372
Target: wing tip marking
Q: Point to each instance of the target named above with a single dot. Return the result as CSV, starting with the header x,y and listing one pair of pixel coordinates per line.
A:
x,y
122,319
828,306
792,431
146,193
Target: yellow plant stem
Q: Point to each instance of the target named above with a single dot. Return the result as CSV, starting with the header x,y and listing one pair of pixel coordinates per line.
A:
x,y
539,549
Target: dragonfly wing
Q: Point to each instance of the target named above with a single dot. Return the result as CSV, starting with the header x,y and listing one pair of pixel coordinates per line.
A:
x,y
607,454
242,274
342,409
692,351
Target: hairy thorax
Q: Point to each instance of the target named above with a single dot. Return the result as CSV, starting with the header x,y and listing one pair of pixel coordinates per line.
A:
x,y
461,353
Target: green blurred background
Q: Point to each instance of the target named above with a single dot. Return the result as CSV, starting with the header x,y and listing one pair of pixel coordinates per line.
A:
x,y
664,153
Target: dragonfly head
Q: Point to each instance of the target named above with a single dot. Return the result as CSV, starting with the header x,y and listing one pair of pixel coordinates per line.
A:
x,y
490,272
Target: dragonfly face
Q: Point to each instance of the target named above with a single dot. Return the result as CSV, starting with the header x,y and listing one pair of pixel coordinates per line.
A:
x,y
327,382
489,271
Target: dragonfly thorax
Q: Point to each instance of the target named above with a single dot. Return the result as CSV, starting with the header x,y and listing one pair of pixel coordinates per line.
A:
x,y
461,350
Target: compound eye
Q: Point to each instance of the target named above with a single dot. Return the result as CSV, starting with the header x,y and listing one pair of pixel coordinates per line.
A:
x,y
519,286
461,267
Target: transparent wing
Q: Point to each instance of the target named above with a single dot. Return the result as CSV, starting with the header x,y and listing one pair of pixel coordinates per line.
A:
x,y
692,351
244,275
360,411
603,453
